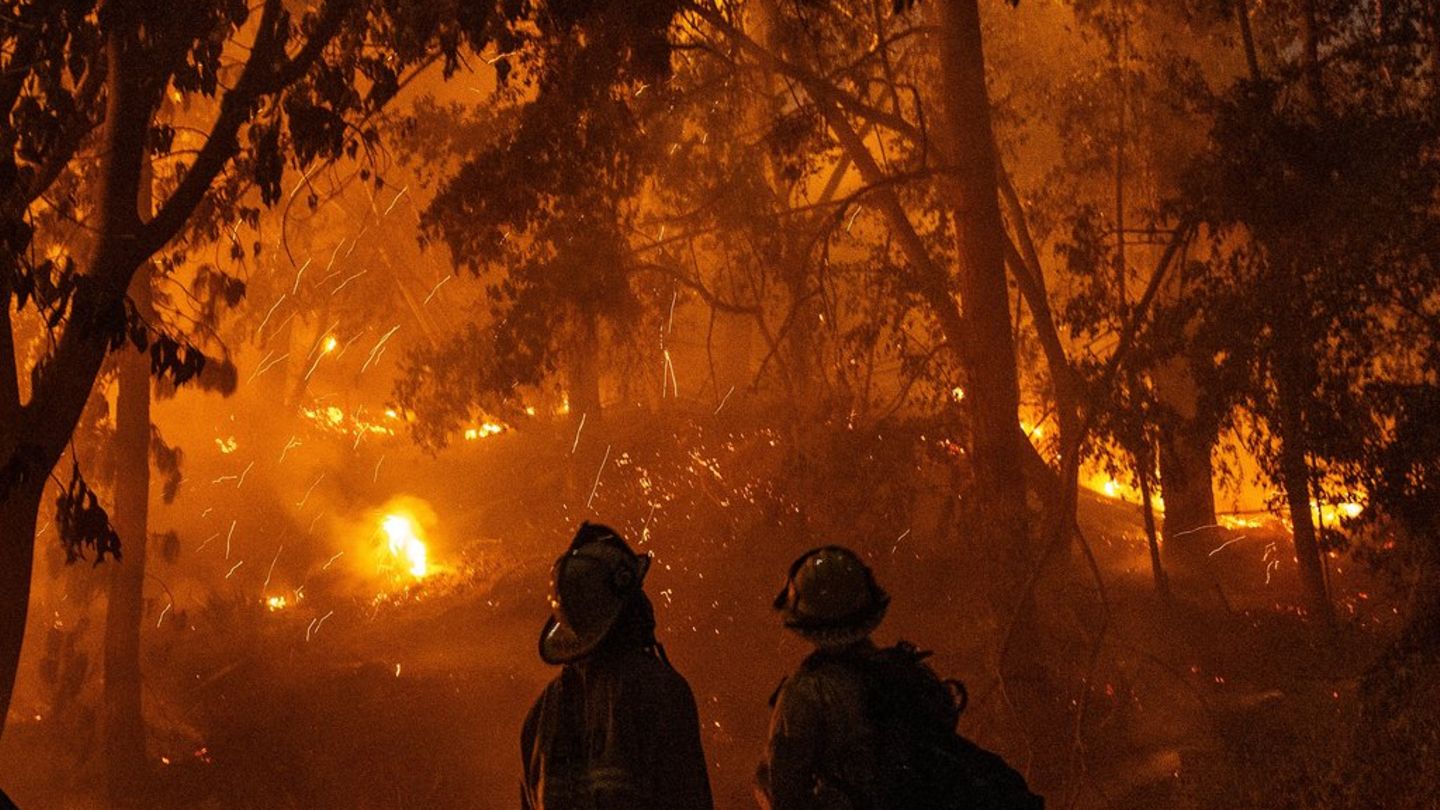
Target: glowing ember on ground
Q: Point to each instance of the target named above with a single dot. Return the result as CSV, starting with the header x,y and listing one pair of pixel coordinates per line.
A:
x,y
405,543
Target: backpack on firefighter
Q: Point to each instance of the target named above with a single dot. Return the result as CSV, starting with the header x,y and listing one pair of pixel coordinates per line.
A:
x,y
923,761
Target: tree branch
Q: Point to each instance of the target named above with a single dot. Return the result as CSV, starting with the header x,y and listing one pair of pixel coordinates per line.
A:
x,y
266,71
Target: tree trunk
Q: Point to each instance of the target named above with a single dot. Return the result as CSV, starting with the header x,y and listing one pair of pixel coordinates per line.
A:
x,y
124,725
1295,478
1310,53
1186,480
18,511
992,390
583,381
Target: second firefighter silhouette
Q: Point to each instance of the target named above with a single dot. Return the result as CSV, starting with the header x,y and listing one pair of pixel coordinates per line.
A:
x,y
618,727
860,727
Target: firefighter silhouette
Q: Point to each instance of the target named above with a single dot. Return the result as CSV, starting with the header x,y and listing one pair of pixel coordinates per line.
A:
x,y
860,727
618,726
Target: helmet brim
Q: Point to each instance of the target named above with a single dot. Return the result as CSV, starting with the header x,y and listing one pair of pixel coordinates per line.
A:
x,y
838,632
560,644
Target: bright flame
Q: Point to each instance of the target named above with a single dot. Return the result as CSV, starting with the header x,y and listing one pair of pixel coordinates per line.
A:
x,y
487,429
405,543
330,344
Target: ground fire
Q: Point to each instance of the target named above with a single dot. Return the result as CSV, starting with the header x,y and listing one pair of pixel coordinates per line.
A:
x,y
692,404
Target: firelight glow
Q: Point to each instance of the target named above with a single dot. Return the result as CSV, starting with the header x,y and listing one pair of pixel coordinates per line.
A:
x,y
405,543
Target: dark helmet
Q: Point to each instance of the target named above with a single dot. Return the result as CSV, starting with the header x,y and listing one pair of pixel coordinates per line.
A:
x,y
590,586
831,597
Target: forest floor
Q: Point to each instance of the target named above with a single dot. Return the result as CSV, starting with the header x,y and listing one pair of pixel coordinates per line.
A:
x,y
414,697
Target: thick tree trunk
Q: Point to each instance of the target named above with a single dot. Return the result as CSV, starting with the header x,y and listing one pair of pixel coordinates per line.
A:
x,y
992,383
18,510
46,423
124,725
992,390
1187,480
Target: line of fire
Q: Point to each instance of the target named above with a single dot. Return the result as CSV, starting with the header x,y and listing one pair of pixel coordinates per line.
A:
x,y
1097,340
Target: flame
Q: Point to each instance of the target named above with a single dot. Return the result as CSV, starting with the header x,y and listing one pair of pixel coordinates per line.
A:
x,y
275,603
331,343
405,543
486,429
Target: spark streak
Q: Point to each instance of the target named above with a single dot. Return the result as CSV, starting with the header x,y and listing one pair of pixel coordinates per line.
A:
x,y
233,568
272,567
162,615
1222,546
435,289
307,493
725,399
379,347
273,307
577,434
598,473
298,274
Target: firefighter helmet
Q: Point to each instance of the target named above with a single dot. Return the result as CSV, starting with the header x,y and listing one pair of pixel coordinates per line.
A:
x,y
590,585
831,597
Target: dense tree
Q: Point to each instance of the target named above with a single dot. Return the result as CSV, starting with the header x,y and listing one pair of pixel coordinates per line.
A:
x,y
299,88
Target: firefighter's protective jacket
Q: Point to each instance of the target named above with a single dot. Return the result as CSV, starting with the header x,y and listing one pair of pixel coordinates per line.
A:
x,y
616,730
821,752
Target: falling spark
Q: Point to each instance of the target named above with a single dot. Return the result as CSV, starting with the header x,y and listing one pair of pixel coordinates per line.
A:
x,y
724,399
298,274
202,546
1221,547
853,215
379,347
264,367
598,473
332,559
266,320
376,477
435,289
233,568
902,536
244,473
333,254
342,284
307,495
576,443
162,614
394,201
292,443
272,567
667,376
314,365
228,535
